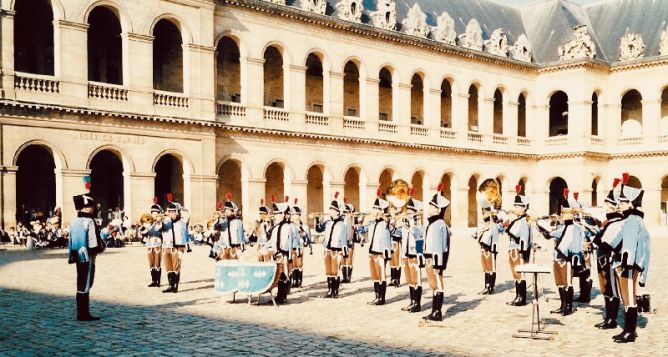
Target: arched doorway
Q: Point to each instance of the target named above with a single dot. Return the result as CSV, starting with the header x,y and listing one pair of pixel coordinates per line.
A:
x,y
35,183
273,78
351,188
229,180
522,116
472,202
314,190
107,180
473,108
169,179
557,186
105,49
417,182
594,114
351,90
385,94
275,182
446,104
167,57
228,71
33,37
498,111
631,121
417,100
447,193
314,84
385,179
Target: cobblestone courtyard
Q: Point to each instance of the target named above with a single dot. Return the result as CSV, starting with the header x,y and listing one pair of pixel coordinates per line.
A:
x,y
38,314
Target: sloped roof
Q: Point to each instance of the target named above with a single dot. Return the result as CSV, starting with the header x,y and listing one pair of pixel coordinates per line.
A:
x,y
548,24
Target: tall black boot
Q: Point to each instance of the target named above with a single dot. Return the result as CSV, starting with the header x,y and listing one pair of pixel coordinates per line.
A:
x,y
397,282
562,299
517,295
335,287
522,293
485,291
412,295
344,272
282,294
418,298
83,308
170,280
611,310
294,277
177,278
299,278
630,324
152,284
492,281
381,293
568,307
437,304
606,318
350,273
329,287
158,277
585,288
376,290
393,275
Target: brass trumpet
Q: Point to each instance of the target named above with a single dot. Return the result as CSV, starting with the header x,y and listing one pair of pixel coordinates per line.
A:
x,y
313,215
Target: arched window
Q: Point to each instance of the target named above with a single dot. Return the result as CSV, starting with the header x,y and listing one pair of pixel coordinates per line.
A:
x,y
167,57
228,71
473,108
557,186
594,114
631,120
558,114
229,180
351,90
105,50
522,116
35,183
385,94
273,78
498,112
417,100
314,84
663,122
33,37
446,104
169,179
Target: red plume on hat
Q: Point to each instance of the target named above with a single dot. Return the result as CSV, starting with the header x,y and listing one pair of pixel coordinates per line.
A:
x,y
411,193
440,187
287,198
296,201
228,196
155,200
336,194
616,182
345,200
518,189
566,192
378,192
576,195
261,201
273,198
219,205
625,178
169,197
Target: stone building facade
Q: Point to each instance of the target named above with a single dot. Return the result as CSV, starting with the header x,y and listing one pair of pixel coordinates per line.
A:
x,y
202,97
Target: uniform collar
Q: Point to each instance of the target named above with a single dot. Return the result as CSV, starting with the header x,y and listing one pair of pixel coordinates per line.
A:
x,y
84,214
633,212
433,219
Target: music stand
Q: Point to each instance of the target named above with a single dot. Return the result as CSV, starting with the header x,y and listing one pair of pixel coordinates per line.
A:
x,y
536,328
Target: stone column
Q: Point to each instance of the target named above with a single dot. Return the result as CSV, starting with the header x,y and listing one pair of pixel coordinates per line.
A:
x,y
433,118
460,115
296,104
651,206
8,184
255,194
7,53
300,191
333,99
71,60
511,120
254,82
371,189
371,100
459,207
538,124
612,122
401,111
141,188
579,122
202,197
200,79
651,113
69,183
139,77
485,115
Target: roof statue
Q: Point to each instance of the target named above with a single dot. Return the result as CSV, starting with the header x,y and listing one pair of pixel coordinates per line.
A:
x,y
580,46
415,23
350,10
631,47
521,50
385,16
472,38
497,43
317,6
445,29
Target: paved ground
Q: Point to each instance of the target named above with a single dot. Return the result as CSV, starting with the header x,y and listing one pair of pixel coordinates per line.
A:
x,y
37,304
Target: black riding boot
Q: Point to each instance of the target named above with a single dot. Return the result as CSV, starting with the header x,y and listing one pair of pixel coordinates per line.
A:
x,y
335,287
170,279
585,288
376,289
611,311
350,273
562,299
437,304
152,284
485,291
83,308
382,289
397,281
158,277
412,303
517,295
177,278
568,307
492,281
522,293
418,298
330,287
630,323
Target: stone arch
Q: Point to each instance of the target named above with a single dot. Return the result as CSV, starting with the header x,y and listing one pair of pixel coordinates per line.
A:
x,y
473,107
117,8
446,97
419,98
229,69
498,110
558,113
186,34
282,49
631,113
37,187
556,186
126,160
105,45
56,7
58,156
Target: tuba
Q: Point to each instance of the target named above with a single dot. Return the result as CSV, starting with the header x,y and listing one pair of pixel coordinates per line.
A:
x,y
397,194
492,193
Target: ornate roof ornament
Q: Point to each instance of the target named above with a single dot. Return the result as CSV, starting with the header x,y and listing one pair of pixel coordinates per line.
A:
x,y
663,43
497,43
445,30
279,2
350,10
580,46
472,38
631,46
415,23
317,6
386,15
521,50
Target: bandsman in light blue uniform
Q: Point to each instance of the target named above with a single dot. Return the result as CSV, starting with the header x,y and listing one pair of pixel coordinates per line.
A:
x,y
520,243
153,241
281,240
588,232
568,257
231,239
85,244
175,237
380,246
412,246
436,236
487,235
607,279
351,235
334,241
631,257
